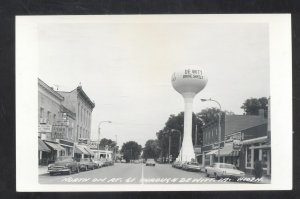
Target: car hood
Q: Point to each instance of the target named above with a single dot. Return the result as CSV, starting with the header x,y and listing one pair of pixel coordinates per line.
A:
x,y
61,163
232,171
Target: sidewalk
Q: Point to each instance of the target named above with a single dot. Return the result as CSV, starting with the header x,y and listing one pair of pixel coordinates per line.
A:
x,y
43,170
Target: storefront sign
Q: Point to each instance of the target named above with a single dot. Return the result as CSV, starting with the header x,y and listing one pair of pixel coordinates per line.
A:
x,y
59,132
237,145
45,128
237,136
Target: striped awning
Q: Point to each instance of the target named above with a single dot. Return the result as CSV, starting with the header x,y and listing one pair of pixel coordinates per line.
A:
x,y
228,150
81,150
213,152
43,146
89,151
55,146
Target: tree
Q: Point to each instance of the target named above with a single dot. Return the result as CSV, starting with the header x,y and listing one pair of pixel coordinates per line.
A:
x,y
131,150
151,149
107,142
211,115
174,128
251,106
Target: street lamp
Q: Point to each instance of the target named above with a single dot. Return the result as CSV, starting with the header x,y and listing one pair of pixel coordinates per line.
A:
x,y
99,129
219,125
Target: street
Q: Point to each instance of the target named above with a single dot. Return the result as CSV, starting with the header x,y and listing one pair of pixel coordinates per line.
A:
x,y
129,173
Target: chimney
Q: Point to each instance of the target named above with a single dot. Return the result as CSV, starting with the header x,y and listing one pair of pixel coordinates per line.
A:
x,y
261,113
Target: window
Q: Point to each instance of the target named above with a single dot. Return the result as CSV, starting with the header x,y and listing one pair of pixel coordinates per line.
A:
x,y
41,112
48,116
248,158
81,114
54,117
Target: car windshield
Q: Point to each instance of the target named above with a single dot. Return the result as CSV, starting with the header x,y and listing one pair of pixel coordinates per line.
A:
x,y
64,159
150,160
227,166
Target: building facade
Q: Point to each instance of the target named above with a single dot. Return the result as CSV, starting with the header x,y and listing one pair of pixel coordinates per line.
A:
x,y
78,102
49,103
244,141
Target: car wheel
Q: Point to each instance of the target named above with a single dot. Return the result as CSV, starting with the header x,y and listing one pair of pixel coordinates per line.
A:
x,y
217,177
51,173
77,170
69,172
207,175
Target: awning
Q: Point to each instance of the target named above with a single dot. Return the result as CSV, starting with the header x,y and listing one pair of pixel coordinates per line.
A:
x,y
55,146
256,140
81,150
89,151
227,150
213,152
43,146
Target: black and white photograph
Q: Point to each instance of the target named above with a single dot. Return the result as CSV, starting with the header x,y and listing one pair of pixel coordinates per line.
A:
x,y
153,102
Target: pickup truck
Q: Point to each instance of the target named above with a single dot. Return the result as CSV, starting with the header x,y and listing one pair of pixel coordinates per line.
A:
x,y
223,170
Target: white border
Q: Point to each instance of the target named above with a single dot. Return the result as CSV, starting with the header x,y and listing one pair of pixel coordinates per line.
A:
x,y
280,89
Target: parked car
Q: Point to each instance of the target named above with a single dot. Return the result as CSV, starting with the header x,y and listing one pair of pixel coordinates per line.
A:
x,y
179,165
150,162
175,164
123,161
98,162
63,164
86,164
223,170
191,166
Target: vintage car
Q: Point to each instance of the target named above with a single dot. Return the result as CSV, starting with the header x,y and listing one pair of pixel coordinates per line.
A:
x,y
223,170
175,164
150,162
179,164
191,166
98,162
63,164
87,164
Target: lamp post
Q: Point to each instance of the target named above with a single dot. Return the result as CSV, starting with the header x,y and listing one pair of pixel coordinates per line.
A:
x,y
101,122
219,123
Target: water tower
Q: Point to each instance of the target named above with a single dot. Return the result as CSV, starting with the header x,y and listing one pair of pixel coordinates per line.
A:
x,y
188,82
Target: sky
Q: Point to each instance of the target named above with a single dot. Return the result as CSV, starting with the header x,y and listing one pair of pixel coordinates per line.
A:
x,y
126,69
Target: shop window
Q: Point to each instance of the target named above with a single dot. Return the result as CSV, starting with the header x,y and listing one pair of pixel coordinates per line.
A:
x,y
264,158
248,158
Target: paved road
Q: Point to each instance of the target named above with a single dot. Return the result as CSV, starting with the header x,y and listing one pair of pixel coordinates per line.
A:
x,y
131,174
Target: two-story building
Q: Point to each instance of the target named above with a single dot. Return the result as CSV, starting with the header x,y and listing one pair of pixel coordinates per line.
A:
x,y
78,102
49,105
244,140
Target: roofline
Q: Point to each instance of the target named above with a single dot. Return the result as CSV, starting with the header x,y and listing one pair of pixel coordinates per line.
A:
x,y
84,95
246,128
50,89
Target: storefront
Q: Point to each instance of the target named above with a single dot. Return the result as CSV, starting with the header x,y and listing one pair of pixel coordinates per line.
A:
x,y
44,153
230,155
56,150
254,150
82,151
69,147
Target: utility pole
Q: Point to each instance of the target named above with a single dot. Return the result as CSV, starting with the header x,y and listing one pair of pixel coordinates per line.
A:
x,y
169,147
196,136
